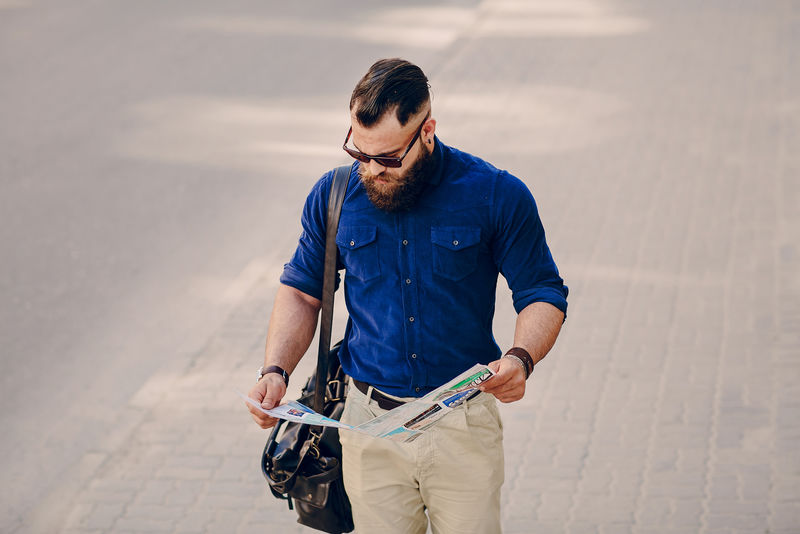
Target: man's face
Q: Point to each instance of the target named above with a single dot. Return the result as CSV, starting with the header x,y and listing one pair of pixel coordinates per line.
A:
x,y
395,189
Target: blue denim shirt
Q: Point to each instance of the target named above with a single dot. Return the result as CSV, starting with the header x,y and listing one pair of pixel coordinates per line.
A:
x,y
420,285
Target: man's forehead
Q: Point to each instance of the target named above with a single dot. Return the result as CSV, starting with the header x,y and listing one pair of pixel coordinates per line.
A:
x,y
381,138
385,136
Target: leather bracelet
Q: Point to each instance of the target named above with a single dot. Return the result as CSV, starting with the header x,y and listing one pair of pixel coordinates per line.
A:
x,y
523,355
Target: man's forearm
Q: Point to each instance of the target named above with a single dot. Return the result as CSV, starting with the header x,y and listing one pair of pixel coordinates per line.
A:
x,y
291,327
537,328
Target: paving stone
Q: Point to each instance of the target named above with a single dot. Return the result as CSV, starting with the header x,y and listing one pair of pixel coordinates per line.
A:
x,y
143,524
738,508
79,512
156,512
615,529
103,516
183,473
193,461
655,511
155,492
554,506
194,521
784,516
686,513
181,498
225,521
750,523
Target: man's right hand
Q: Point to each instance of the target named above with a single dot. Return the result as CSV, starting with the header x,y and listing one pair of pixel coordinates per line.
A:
x,y
268,392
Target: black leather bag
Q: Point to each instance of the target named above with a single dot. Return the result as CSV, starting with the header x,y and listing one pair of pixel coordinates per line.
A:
x,y
303,463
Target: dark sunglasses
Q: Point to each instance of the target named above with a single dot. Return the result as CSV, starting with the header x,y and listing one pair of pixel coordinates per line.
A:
x,y
383,161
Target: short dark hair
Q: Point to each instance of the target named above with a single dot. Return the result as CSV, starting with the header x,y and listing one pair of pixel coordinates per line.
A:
x,y
390,83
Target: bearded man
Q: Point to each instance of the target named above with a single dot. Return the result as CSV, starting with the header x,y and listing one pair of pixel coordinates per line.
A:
x,y
425,230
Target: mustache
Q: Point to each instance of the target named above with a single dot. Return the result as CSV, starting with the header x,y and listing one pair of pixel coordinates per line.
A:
x,y
365,174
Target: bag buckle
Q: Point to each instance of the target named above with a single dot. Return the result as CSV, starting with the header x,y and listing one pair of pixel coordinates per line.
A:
x,y
310,446
335,390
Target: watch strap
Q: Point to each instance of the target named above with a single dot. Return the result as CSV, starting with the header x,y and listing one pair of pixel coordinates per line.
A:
x,y
273,369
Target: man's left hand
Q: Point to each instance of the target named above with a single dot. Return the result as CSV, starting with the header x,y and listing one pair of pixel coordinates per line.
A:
x,y
508,384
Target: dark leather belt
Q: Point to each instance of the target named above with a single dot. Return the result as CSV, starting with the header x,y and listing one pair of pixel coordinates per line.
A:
x,y
386,403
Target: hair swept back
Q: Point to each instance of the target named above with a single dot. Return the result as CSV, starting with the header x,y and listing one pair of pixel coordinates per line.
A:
x,y
390,83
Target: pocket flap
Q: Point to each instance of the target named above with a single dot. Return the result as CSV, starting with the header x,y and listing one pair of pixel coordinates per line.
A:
x,y
353,237
456,237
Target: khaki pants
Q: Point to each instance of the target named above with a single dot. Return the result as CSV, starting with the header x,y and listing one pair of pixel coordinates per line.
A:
x,y
454,472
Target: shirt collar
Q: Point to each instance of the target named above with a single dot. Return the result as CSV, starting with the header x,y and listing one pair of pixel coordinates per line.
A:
x,y
438,156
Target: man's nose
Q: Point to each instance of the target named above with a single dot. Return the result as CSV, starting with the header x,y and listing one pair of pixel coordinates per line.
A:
x,y
375,168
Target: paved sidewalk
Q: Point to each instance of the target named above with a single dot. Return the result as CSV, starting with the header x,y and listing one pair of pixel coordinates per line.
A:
x,y
661,143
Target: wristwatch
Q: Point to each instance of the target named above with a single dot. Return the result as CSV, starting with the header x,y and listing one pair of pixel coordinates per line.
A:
x,y
272,369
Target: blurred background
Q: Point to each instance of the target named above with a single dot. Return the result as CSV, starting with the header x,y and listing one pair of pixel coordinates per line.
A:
x,y
154,158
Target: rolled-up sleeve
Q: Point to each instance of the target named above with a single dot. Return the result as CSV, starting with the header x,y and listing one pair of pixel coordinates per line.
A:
x,y
520,249
305,270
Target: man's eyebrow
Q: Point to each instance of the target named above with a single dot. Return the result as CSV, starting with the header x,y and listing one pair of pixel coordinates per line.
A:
x,y
388,153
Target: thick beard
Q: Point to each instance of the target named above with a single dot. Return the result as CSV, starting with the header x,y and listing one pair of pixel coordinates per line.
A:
x,y
401,193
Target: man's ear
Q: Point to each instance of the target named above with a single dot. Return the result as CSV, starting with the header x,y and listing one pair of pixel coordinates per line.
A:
x,y
429,130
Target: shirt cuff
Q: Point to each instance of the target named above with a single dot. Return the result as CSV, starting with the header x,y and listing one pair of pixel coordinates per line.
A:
x,y
555,296
292,278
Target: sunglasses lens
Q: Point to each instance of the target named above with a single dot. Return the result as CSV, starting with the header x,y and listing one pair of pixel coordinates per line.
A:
x,y
363,158
383,162
389,162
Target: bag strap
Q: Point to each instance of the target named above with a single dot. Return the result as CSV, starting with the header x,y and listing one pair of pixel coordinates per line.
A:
x,y
338,189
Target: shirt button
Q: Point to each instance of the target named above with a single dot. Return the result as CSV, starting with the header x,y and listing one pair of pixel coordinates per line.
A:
x,y
408,280
414,356
416,389
455,243
352,243
411,319
405,241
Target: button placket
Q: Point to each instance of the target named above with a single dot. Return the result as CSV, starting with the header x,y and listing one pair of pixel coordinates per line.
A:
x,y
408,274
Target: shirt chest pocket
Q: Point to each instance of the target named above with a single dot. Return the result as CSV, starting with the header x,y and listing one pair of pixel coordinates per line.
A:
x,y
358,247
455,250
